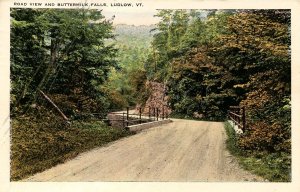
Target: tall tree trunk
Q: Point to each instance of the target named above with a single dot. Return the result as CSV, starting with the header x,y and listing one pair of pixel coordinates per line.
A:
x,y
51,65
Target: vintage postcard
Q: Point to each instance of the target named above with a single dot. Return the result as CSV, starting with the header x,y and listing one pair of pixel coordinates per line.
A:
x,y
144,95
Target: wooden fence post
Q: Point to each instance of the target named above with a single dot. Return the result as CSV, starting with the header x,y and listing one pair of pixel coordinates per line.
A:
x,y
166,112
244,118
127,117
238,118
123,120
228,114
154,113
140,115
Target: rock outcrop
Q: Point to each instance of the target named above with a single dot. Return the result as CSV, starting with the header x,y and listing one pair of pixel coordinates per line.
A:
x,y
157,99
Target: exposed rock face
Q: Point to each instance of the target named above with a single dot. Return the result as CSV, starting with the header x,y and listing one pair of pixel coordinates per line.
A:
x,y
157,100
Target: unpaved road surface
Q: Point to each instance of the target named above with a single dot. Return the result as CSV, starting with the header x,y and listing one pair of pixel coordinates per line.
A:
x,y
183,150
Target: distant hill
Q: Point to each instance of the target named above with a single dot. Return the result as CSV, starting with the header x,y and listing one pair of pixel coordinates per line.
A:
x,y
133,43
127,81
134,35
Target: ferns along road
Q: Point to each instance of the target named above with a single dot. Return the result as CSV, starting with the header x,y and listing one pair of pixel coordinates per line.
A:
x,y
184,150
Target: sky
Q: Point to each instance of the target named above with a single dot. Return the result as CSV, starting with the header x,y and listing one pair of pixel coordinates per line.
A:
x,y
132,17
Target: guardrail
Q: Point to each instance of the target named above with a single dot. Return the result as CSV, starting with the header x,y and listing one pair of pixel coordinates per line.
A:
x,y
126,118
238,116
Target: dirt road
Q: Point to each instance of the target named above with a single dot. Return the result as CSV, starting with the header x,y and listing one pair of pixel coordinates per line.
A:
x,y
183,150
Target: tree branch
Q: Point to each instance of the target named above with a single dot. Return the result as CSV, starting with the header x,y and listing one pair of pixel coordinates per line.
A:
x,y
55,106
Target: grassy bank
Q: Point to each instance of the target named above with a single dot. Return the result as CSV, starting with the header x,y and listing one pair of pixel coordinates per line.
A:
x,y
38,144
274,167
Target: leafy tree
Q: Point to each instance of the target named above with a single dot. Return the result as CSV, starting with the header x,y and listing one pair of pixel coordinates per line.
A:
x,y
257,52
61,51
126,82
229,57
193,79
166,43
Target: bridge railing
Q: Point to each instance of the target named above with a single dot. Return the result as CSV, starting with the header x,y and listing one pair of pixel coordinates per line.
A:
x,y
127,118
238,116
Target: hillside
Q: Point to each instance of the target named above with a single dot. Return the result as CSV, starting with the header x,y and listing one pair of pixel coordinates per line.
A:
x,y
127,81
135,32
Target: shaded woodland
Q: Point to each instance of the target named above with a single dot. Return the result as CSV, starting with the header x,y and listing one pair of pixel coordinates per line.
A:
x,y
207,59
213,59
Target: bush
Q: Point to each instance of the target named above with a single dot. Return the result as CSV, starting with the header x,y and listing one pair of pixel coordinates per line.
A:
x,y
268,123
275,166
263,136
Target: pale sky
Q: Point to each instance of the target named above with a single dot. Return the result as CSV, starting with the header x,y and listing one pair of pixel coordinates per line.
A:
x,y
132,17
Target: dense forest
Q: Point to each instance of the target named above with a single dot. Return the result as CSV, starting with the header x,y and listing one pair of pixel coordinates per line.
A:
x,y
228,58
208,60
214,59
62,54
126,82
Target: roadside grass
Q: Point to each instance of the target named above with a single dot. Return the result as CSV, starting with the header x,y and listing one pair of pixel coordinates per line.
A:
x,y
274,167
38,144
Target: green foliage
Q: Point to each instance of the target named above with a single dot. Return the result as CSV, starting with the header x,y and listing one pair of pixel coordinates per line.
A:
x,y
166,44
258,50
60,51
225,58
208,59
126,83
232,139
195,83
275,167
64,53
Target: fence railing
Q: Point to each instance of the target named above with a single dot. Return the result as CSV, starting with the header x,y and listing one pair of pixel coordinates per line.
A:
x,y
238,116
150,114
